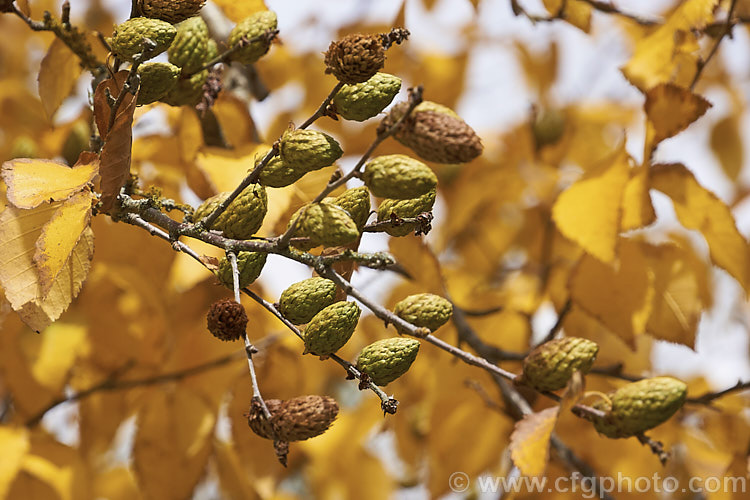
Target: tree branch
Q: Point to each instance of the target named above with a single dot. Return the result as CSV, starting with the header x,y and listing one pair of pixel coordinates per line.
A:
x,y
709,397
727,29
70,35
112,384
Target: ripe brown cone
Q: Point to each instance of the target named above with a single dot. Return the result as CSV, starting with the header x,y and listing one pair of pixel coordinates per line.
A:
x,y
435,136
227,320
355,58
296,419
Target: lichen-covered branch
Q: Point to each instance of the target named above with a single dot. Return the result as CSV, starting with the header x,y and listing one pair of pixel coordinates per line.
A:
x,y
69,34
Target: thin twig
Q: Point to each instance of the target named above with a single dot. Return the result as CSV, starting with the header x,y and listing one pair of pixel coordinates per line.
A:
x,y
609,8
576,463
415,98
269,35
111,384
415,331
254,175
388,403
614,371
68,34
560,319
136,220
126,87
467,334
323,108
709,397
478,313
249,348
703,63
421,224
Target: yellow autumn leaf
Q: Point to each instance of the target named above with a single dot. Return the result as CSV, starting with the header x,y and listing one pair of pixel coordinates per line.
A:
x,y
29,397
681,293
174,431
15,444
235,120
576,12
529,443
670,109
588,212
237,11
618,296
727,146
62,344
59,236
668,54
19,230
60,479
637,209
58,467
57,75
233,480
225,168
33,182
45,254
189,134
185,272
699,209
41,312
116,484
539,68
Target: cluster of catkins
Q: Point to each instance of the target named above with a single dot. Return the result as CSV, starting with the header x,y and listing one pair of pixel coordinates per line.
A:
x,y
632,409
407,188
188,45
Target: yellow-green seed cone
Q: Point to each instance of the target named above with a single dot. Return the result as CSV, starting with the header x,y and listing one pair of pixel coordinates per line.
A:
x,y
128,38
212,50
278,173
157,78
424,310
78,140
331,328
550,366
398,176
24,146
405,209
361,101
356,202
386,360
187,91
548,127
242,218
249,265
251,27
189,50
640,406
324,224
303,300
308,150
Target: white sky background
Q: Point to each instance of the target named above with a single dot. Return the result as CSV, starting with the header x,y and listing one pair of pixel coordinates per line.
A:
x,y
497,98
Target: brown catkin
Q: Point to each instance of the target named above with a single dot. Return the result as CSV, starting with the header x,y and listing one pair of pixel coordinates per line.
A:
x,y
355,58
227,320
